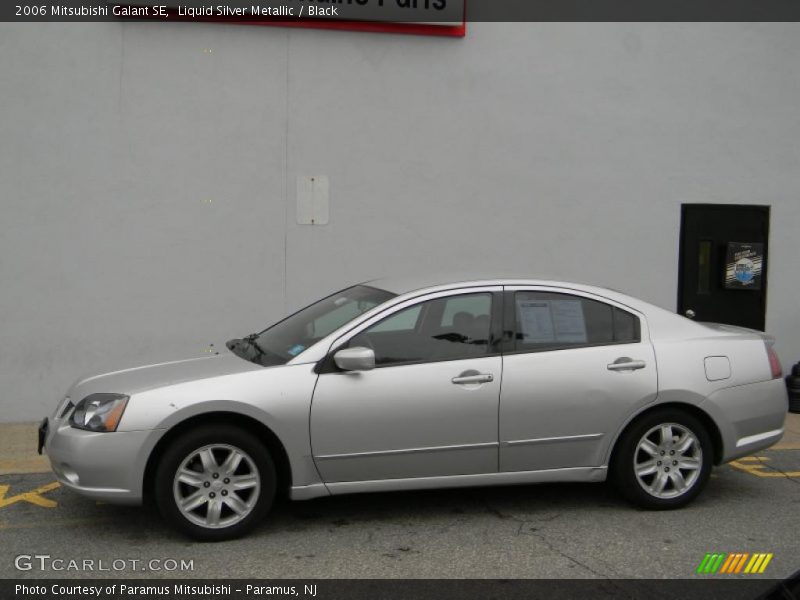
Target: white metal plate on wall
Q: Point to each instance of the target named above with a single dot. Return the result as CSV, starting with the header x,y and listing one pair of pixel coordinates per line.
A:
x,y
313,200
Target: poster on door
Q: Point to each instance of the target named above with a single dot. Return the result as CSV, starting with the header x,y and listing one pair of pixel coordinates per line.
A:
x,y
744,264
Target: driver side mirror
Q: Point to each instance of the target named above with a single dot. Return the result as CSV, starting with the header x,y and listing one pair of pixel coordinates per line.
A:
x,y
355,359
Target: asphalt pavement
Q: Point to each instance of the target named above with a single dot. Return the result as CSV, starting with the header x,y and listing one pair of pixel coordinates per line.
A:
x,y
538,531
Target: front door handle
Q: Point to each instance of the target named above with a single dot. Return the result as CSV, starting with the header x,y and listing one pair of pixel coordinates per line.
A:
x,y
478,378
626,364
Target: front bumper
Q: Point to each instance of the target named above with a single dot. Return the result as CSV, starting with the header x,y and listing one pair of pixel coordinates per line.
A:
x,y
101,466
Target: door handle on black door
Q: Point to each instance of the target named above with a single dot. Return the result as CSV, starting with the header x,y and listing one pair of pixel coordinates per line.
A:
x,y
626,364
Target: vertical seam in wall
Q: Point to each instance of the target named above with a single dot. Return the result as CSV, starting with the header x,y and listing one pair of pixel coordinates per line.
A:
x,y
121,65
286,179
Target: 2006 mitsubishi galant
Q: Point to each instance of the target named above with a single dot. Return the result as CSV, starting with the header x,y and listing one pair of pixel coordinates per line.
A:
x,y
405,384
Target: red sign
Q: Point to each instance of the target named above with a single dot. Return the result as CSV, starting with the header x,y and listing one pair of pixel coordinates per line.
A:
x,y
416,17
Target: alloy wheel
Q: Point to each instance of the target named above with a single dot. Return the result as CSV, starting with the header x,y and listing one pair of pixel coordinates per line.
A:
x,y
668,460
216,486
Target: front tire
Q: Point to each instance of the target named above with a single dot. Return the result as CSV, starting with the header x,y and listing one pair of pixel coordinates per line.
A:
x,y
663,460
215,483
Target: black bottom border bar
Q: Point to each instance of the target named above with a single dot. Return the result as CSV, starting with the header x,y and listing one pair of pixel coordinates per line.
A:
x,y
404,589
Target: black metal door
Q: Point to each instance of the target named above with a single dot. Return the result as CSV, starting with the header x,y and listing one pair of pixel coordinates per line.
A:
x,y
723,263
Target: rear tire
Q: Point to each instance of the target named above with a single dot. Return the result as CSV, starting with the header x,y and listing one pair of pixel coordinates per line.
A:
x,y
215,483
663,460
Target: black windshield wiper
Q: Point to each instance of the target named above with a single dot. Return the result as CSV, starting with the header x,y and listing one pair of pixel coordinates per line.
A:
x,y
244,346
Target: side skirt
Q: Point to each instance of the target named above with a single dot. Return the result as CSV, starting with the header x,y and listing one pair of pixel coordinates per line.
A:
x,y
573,474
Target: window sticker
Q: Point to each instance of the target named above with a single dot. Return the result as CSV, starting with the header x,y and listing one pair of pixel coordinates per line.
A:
x,y
552,321
569,321
536,321
297,349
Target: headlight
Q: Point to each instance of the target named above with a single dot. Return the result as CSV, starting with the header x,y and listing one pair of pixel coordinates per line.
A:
x,y
99,412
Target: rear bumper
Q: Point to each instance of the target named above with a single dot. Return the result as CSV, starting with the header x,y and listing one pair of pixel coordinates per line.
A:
x,y
101,466
750,417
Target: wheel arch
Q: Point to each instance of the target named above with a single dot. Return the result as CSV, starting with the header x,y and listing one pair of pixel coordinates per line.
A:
x,y
247,423
690,409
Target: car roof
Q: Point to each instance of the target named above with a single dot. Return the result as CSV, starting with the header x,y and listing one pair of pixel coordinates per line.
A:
x,y
405,284
659,318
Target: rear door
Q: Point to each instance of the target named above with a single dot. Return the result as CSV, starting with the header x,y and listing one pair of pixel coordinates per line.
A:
x,y
575,368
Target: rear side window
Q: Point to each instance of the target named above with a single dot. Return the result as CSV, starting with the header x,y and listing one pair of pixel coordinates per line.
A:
x,y
626,326
548,321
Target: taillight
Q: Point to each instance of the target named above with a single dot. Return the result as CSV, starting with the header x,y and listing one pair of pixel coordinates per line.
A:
x,y
774,362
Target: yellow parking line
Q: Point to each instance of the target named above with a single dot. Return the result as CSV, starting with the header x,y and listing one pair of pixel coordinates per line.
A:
x,y
5,525
33,497
759,469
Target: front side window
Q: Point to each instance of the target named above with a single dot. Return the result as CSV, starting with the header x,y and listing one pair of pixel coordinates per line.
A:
x,y
450,328
548,321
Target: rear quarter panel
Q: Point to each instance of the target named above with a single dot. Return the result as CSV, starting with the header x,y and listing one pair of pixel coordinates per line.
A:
x,y
747,403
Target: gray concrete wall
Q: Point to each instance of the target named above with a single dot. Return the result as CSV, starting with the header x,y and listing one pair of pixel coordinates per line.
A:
x,y
147,171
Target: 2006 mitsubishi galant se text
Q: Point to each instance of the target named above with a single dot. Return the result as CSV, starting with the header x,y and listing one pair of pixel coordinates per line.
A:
x,y
403,384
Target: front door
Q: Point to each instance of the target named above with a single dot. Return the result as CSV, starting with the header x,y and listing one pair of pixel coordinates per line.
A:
x,y
428,409
723,264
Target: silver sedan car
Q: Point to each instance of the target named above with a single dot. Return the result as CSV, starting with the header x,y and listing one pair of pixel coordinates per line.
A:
x,y
403,384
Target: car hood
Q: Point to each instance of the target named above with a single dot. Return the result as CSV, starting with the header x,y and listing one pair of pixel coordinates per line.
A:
x,y
138,379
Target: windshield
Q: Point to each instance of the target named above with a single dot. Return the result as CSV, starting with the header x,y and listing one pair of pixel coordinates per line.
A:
x,y
281,342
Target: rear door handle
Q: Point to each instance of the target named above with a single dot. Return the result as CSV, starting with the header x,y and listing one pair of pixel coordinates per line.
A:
x,y
626,364
479,378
